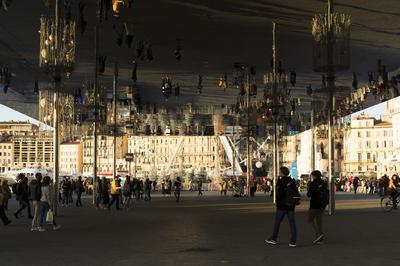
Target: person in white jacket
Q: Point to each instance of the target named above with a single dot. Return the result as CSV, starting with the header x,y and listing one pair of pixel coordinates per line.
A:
x,y
46,203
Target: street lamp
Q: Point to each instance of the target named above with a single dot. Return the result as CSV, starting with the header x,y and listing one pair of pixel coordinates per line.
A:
x,y
331,32
57,56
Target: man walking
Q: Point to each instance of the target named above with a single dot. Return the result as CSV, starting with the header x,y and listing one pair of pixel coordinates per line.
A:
x,y
200,187
287,197
65,189
3,216
22,196
178,186
355,184
147,189
34,195
319,194
98,188
79,189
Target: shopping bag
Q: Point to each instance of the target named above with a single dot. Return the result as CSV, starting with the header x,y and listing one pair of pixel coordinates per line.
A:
x,y
49,217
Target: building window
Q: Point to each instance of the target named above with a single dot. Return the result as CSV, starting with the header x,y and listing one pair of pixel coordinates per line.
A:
x,y
368,156
368,134
359,134
359,157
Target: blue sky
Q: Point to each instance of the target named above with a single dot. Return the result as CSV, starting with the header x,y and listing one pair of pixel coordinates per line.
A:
x,y
7,114
376,111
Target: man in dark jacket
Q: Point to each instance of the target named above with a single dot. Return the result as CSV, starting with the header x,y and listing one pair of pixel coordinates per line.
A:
x,y
79,189
34,195
147,189
284,206
22,196
316,190
99,191
356,183
3,216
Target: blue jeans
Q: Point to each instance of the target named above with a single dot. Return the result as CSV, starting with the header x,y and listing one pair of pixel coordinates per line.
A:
x,y
44,208
280,214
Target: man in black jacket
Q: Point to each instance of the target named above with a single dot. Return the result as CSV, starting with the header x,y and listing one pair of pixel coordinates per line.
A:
x,y
284,206
22,196
316,191
79,189
34,195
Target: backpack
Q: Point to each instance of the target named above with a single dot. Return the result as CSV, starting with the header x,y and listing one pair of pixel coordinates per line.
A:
x,y
292,195
323,196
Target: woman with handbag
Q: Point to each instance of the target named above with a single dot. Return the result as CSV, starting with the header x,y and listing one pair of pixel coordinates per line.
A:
x,y
46,205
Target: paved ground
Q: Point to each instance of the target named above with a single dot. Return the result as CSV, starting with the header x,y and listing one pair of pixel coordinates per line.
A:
x,y
204,231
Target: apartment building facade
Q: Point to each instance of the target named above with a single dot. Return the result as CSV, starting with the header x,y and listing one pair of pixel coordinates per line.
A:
x,y
71,158
164,153
6,155
105,158
33,150
367,142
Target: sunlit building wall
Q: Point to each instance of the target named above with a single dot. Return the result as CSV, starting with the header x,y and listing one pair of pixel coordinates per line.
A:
x,y
158,153
71,158
105,152
367,143
33,151
6,155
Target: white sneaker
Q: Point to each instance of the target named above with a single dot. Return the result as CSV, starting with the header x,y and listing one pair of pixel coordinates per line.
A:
x,y
271,241
292,245
34,229
41,229
319,238
56,227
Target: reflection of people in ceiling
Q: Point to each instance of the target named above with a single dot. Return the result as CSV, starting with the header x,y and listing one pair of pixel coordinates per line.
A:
x,y
322,150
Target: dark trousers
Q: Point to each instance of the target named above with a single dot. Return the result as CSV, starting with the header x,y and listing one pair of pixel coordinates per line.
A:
x,y
65,198
115,198
315,219
147,196
394,194
177,194
98,199
137,194
3,215
280,214
78,199
44,208
106,199
22,205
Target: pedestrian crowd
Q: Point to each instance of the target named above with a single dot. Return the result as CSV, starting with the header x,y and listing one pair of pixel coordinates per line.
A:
x,y
36,197
363,185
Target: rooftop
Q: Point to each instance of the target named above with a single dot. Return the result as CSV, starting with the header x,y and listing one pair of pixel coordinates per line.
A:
x,y
383,124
